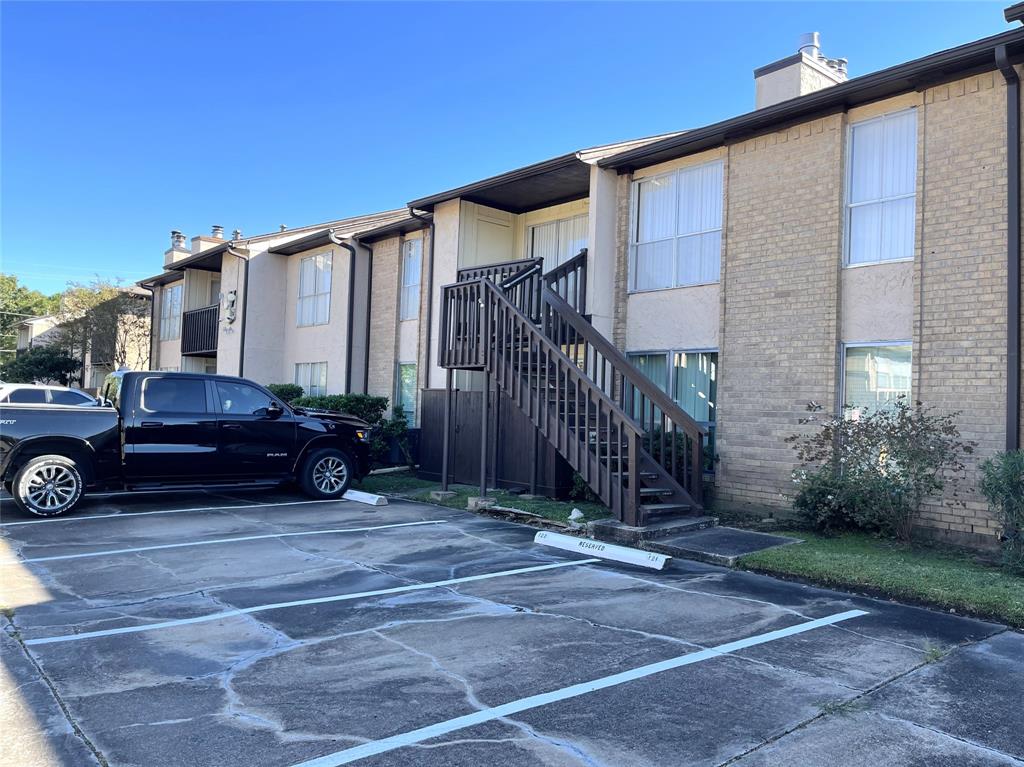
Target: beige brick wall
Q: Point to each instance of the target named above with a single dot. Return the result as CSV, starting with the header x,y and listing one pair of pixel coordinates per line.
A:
x,y
780,299
960,296
779,330
384,317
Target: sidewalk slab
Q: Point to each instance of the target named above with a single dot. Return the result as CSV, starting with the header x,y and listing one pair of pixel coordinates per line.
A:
x,y
717,545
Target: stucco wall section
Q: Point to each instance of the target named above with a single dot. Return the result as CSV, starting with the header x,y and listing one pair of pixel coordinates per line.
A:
x,y
878,302
680,318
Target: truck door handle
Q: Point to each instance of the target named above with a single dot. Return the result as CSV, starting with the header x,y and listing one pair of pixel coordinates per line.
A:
x,y
231,426
151,424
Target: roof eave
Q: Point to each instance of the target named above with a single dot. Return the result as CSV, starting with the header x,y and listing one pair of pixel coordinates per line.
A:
x,y
913,75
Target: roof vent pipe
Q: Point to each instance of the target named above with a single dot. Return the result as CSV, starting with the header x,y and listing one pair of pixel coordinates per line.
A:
x,y
283,227
236,235
810,44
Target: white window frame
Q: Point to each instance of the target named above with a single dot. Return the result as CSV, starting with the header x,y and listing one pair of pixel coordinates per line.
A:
x,y
321,262
554,222
844,346
304,372
409,307
634,218
848,189
170,322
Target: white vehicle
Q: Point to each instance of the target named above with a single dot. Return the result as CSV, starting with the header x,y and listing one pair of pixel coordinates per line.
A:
x,y
44,394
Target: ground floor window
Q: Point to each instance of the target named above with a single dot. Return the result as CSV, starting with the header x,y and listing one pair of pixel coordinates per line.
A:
x,y
312,377
406,393
874,375
691,378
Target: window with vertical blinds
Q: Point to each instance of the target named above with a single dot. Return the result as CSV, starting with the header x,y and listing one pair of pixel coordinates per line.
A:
x,y
881,189
312,377
314,302
170,313
676,236
412,260
558,241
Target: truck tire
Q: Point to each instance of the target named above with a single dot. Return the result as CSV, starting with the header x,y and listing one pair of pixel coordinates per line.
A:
x,y
48,485
326,473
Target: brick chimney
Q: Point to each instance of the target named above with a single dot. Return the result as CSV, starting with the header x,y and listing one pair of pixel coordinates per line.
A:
x,y
804,72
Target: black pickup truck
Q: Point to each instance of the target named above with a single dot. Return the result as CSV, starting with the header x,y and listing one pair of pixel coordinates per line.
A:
x,y
154,430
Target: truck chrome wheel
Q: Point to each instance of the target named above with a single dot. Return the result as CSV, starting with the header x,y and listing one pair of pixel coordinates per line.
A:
x,y
48,485
330,475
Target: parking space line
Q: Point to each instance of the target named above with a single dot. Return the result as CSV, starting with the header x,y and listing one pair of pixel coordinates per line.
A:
x,y
166,511
236,539
305,602
534,701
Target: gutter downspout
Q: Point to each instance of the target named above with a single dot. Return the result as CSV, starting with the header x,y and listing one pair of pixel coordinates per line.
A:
x,y
1013,313
152,334
430,292
351,304
243,254
369,304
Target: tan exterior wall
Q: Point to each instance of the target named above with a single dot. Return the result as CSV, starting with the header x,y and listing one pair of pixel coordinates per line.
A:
x,y
780,302
960,284
384,316
877,302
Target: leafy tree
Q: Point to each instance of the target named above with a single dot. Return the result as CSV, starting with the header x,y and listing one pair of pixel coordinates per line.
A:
x,y
18,303
110,321
47,364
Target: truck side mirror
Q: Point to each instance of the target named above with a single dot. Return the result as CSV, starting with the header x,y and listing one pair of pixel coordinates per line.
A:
x,y
274,410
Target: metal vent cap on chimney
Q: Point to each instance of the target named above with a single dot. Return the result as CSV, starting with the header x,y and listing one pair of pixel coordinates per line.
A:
x,y
217,231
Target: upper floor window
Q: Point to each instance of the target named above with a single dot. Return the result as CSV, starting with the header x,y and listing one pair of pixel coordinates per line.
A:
x,y
412,260
170,313
314,304
676,236
557,241
881,189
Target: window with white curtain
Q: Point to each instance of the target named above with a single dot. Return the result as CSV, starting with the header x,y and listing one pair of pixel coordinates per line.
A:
x,y
412,260
170,313
874,375
557,241
676,236
881,189
312,377
314,304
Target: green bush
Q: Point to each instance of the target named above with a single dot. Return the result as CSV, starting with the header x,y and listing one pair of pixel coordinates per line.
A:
x,y
370,409
874,470
364,406
286,391
1002,484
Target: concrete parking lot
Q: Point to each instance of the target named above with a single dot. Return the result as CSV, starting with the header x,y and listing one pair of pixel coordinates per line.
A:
x,y
261,629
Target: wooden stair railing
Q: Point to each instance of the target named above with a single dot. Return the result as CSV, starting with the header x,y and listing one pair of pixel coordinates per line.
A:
x,y
569,280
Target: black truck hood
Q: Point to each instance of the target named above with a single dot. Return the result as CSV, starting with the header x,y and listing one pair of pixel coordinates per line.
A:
x,y
334,417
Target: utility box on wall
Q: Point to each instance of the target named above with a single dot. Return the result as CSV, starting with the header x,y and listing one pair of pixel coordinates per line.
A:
x,y
512,452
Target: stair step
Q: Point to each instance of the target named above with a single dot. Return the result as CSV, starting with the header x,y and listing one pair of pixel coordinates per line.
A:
x,y
656,510
649,475
656,492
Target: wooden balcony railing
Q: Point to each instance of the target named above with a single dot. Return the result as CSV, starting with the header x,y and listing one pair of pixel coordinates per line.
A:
x,y
199,330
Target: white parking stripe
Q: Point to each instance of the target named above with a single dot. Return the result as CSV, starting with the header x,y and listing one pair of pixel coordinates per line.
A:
x,y
534,701
304,602
165,511
237,539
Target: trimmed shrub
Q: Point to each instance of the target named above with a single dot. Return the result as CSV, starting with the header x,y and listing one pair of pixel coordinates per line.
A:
x,y
364,406
286,391
1002,484
873,470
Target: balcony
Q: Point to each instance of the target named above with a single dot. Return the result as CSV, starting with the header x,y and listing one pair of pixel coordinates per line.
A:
x,y
199,331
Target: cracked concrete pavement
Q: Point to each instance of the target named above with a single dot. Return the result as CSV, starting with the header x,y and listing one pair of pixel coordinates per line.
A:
x,y
897,686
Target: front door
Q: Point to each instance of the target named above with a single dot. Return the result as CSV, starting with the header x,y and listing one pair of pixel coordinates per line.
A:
x,y
253,441
171,436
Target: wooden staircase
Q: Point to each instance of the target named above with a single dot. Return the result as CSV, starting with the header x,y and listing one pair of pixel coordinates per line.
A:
x,y
637,450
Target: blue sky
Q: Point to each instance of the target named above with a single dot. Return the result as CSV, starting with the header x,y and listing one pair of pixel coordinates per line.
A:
x,y
123,121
